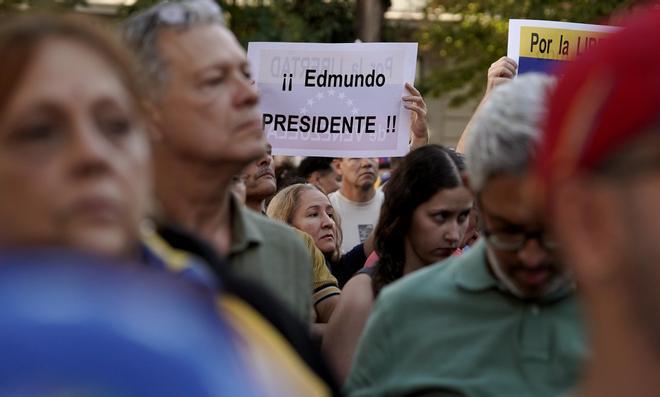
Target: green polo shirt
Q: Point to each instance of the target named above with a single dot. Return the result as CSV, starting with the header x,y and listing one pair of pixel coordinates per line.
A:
x,y
451,330
272,254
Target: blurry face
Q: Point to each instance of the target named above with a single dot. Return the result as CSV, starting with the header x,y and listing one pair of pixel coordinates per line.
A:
x,y
609,227
209,109
73,155
359,173
531,271
260,178
634,219
438,226
642,227
315,216
328,181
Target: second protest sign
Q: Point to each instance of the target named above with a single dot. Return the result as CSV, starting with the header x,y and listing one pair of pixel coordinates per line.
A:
x,y
541,46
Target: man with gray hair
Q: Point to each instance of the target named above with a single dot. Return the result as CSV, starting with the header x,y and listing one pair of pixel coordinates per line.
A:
x,y
500,320
207,128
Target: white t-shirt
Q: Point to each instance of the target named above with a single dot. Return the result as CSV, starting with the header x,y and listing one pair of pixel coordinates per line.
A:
x,y
358,220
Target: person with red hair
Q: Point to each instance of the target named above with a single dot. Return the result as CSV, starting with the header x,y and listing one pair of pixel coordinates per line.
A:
x,y
598,180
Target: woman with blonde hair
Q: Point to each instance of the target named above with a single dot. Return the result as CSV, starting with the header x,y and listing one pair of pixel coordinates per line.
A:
x,y
307,208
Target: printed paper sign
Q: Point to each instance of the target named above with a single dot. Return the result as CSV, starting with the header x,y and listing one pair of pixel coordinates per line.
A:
x,y
542,46
334,100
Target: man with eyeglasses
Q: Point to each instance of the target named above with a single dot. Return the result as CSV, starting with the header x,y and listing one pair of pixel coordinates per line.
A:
x,y
598,180
500,320
206,129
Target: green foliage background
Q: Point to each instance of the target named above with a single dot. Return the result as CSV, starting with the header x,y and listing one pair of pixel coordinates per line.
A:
x,y
462,51
9,6
284,20
454,55
302,20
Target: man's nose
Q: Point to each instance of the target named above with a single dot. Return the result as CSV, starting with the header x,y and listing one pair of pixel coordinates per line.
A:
x,y
532,254
246,92
265,161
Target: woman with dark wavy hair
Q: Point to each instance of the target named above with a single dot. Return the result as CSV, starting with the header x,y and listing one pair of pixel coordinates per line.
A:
x,y
422,221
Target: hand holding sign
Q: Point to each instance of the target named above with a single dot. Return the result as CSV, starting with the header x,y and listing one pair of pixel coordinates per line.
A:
x,y
419,128
500,72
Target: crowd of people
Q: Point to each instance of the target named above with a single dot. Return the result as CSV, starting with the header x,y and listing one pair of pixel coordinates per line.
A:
x,y
521,263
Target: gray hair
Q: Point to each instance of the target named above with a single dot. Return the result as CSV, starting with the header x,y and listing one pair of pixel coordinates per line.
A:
x,y
507,129
140,32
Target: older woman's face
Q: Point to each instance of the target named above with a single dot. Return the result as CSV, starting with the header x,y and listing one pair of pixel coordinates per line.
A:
x,y
73,155
315,216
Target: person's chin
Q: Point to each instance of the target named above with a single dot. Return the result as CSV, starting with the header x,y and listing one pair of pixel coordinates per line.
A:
x,y
241,156
442,253
367,184
269,184
108,240
327,247
266,188
247,146
532,291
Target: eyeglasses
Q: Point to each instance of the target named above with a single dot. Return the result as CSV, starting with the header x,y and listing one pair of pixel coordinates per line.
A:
x,y
180,13
515,241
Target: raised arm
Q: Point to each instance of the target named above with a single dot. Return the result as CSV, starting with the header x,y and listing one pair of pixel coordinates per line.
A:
x,y
499,72
419,128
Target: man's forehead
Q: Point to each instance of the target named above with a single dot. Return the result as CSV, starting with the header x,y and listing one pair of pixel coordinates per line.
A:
x,y
201,47
505,199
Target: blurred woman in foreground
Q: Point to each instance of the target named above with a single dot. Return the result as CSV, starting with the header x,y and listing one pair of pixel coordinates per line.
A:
x,y
74,154
75,173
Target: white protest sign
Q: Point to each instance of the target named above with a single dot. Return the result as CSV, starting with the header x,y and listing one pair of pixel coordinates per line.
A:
x,y
541,46
334,100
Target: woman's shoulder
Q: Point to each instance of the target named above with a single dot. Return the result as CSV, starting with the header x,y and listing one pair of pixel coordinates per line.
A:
x,y
358,292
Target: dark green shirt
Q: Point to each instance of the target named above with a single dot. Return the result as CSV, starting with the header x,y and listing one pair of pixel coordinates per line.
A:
x,y
451,330
272,254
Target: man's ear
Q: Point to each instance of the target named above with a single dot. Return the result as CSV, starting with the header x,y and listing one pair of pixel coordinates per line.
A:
x,y
586,220
336,164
